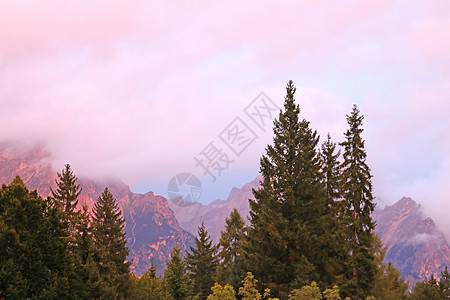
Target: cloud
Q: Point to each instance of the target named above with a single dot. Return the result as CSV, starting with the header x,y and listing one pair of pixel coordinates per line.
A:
x,y
422,238
136,89
431,39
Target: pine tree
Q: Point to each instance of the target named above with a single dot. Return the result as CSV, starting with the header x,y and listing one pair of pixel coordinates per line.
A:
x,y
356,189
444,284
427,289
231,242
67,192
34,252
388,283
83,240
151,272
176,278
331,168
65,197
286,246
110,243
149,286
333,216
202,262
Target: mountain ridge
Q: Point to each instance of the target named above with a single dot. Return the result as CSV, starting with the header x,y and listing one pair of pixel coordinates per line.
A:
x,y
412,241
150,225
153,224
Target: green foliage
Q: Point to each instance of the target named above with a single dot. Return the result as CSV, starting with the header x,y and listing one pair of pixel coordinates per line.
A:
x,y
231,243
307,292
110,244
333,216
432,289
176,278
388,282
34,251
331,168
312,292
202,262
444,284
356,190
332,294
222,293
67,192
288,206
248,291
293,205
149,286
65,197
83,243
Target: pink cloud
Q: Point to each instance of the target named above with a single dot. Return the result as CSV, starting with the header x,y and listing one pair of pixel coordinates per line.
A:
x,y
136,88
432,38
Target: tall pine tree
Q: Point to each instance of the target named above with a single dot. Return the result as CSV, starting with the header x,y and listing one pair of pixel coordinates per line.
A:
x,y
286,245
110,242
333,216
176,278
202,262
356,189
231,242
67,191
331,169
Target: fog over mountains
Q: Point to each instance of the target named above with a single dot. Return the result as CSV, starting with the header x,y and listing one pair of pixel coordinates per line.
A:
x,y
153,224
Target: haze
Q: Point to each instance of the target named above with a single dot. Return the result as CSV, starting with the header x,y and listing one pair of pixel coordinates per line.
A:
x,y
135,89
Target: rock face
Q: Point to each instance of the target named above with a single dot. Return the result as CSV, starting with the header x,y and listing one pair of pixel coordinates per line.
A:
x,y
151,226
190,215
413,243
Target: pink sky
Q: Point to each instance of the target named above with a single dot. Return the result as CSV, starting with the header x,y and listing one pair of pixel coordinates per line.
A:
x,y
136,89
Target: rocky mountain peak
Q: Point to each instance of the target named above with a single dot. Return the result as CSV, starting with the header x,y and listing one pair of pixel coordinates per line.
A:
x,y
150,224
413,242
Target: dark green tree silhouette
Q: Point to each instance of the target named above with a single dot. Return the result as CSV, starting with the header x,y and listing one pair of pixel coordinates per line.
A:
x,y
388,283
287,242
202,262
149,286
356,190
331,169
444,284
110,243
34,253
230,270
426,289
176,278
67,192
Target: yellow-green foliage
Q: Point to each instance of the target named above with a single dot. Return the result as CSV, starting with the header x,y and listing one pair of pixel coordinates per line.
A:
x,y
307,292
222,293
312,292
249,292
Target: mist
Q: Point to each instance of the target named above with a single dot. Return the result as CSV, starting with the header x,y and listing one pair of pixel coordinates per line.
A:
x,y
136,91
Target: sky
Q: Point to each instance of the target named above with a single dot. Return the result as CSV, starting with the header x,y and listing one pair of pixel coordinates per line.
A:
x,y
139,90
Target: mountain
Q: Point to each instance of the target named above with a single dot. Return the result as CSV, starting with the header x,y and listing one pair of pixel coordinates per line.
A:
x,y
190,215
413,242
150,225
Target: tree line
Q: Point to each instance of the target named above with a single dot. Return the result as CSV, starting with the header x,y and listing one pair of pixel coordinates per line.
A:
x,y
311,235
